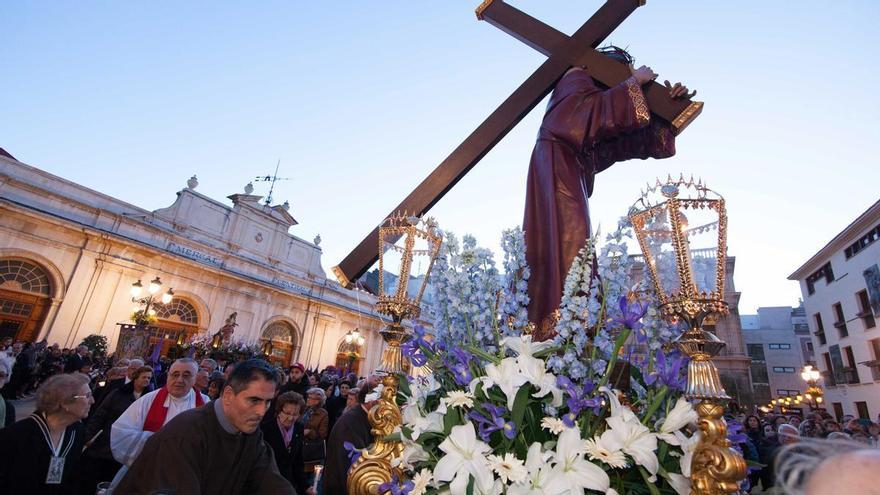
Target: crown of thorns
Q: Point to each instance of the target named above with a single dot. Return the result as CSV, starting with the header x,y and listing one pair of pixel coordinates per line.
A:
x,y
617,53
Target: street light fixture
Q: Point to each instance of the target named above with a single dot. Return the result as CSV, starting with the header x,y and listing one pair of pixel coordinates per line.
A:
x,y
145,309
814,393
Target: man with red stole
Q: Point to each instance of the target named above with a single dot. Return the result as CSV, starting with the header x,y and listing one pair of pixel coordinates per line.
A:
x,y
585,130
148,414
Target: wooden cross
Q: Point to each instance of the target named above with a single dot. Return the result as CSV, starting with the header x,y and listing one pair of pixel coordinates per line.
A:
x,y
563,52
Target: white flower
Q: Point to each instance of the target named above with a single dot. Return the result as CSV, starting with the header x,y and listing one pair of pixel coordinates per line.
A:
x,y
506,376
634,439
412,453
572,472
539,473
412,417
681,484
421,480
598,450
688,446
509,468
554,425
458,398
681,415
535,372
523,345
465,457
375,394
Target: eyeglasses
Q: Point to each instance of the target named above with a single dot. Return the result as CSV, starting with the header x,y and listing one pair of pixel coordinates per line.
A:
x,y
86,396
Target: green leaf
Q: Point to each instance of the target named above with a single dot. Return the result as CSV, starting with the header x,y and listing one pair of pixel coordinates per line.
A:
x,y
470,485
450,419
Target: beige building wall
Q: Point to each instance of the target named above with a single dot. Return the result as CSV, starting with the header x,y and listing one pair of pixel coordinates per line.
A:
x,y
219,258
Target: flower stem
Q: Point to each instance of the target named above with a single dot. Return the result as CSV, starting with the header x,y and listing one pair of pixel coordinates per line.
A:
x,y
658,399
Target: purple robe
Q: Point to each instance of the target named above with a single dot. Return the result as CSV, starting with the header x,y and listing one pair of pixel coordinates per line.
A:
x,y
585,130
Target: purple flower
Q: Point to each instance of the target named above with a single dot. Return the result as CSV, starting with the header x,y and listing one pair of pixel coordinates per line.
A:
x,y
395,487
491,422
579,399
354,453
668,370
459,363
630,315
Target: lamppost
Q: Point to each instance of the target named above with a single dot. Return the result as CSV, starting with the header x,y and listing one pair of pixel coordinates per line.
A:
x,y
813,395
681,227
354,341
404,242
146,314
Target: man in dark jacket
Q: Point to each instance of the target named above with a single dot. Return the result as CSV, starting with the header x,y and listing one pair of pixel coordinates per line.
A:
x,y
352,427
216,449
76,360
298,382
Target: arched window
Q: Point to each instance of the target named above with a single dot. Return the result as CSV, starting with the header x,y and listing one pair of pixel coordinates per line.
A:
x,y
178,310
19,275
279,331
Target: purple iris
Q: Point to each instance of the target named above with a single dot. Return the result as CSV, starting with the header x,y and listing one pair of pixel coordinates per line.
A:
x,y
354,453
492,421
395,487
668,370
630,315
414,353
579,399
459,363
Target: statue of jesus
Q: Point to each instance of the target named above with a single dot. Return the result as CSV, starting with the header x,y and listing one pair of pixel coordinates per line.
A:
x,y
585,130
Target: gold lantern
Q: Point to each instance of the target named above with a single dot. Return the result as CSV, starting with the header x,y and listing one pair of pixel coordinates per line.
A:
x,y
681,226
406,243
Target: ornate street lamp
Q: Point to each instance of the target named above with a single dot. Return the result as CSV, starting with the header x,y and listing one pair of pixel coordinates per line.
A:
x,y
355,337
814,393
405,243
681,226
145,309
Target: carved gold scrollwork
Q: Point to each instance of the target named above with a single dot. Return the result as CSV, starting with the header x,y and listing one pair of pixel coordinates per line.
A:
x,y
716,468
374,466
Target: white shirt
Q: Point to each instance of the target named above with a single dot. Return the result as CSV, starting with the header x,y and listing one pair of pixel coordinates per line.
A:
x,y
127,436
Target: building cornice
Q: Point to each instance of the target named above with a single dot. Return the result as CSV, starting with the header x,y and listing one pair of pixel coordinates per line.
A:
x,y
864,221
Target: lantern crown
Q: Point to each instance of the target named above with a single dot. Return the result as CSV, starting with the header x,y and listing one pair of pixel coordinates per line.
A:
x,y
681,226
406,242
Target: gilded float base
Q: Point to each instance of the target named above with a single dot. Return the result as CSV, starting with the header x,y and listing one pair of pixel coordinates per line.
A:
x,y
716,468
373,468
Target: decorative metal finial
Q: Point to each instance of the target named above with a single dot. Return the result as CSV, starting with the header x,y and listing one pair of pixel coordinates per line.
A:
x,y
193,182
317,240
249,188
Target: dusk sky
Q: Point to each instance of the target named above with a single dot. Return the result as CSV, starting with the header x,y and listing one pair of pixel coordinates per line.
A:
x,y
361,100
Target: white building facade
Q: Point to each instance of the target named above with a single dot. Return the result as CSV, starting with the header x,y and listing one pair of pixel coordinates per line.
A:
x,y
841,292
69,256
779,345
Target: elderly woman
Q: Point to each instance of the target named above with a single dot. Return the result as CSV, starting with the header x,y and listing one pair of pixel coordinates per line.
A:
x,y
316,428
98,462
40,454
284,433
7,410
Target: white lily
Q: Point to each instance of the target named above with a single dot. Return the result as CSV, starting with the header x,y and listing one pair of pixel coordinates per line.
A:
x,y
539,473
617,409
412,453
572,472
523,345
681,484
681,415
535,372
634,439
418,423
506,376
688,446
465,457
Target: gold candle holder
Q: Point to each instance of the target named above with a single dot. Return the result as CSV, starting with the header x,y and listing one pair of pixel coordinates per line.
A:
x,y
668,241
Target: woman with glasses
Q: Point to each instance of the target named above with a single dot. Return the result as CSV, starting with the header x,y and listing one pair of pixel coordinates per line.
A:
x,y
283,431
40,454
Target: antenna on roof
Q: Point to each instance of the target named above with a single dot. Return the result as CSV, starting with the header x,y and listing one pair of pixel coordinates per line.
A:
x,y
271,178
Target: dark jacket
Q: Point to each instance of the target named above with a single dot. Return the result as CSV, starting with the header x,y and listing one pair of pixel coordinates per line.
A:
x,y
194,455
107,413
289,459
354,427
25,457
301,388
10,413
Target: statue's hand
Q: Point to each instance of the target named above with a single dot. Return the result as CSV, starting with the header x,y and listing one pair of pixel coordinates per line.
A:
x,y
679,90
644,74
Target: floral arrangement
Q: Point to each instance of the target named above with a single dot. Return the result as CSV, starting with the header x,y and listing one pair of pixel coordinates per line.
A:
x,y
500,413
200,347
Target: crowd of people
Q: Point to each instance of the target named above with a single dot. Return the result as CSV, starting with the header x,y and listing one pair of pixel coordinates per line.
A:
x,y
104,425
762,437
